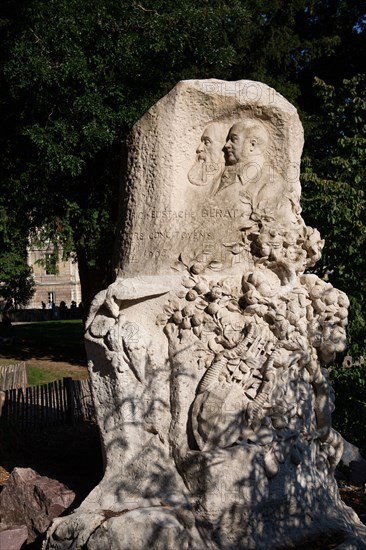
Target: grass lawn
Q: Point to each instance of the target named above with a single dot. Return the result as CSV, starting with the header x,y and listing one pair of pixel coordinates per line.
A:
x,y
51,349
38,375
53,340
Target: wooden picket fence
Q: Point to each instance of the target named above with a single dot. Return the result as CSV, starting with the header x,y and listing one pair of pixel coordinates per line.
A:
x,y
13,376
61,402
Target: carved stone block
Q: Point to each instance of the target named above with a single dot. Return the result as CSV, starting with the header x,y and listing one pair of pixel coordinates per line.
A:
x,y
208,354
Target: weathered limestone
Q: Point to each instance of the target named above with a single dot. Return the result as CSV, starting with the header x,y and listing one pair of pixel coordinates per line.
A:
x,y
187,196
208,353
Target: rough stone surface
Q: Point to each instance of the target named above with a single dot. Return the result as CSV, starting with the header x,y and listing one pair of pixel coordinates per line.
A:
x,y
34,500
13,538
208,354
350,453
181,197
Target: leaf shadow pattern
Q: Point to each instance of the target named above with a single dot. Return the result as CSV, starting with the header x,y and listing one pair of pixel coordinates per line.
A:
x,y
160,489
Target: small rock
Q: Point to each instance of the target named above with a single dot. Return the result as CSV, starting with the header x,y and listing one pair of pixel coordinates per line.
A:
x,y
13,538
34,500
350,453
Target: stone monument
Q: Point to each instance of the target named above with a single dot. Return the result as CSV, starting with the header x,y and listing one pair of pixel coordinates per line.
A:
x,y
207,354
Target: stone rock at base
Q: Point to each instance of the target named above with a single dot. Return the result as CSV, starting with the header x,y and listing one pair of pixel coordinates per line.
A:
x,y
34,500
350,454
13,538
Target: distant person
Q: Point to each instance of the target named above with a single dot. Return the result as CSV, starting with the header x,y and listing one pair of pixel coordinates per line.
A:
x,y
73,309
43,305
6,321
55,311
63,310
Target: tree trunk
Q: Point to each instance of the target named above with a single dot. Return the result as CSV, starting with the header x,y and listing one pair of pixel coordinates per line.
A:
x,y
93,279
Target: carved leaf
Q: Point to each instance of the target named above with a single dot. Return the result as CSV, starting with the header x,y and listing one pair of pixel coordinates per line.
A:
x,y
197,331
232,364
226,289
178,266
188,283
174,304
245,377
229,245
215,266
270,464
251,392
264,436
168,309
162,319
200,304
101,325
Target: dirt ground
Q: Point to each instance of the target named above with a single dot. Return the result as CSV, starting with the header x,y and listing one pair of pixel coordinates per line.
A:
x,y
355,497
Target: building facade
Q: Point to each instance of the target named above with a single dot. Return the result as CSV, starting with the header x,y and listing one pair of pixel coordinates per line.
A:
x,y
57,280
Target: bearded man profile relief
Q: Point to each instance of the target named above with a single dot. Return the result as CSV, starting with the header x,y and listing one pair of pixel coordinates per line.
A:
x,y
210,160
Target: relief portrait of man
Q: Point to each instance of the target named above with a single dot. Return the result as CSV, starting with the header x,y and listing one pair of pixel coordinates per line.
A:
x,y
210,161
250,175
246,155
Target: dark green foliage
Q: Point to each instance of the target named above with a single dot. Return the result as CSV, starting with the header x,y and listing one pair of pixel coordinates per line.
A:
x,y
349,416
333,187
16,277
77,76
334,201
16,280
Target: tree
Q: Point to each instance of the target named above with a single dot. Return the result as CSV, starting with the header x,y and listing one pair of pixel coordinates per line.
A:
x,y
17,285
16,280
77,75
333,186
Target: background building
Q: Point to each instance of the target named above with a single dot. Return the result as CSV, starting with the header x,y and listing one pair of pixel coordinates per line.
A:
x,y
57,280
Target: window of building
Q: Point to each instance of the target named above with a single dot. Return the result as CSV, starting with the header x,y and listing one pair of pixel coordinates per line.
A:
x,y
50,263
